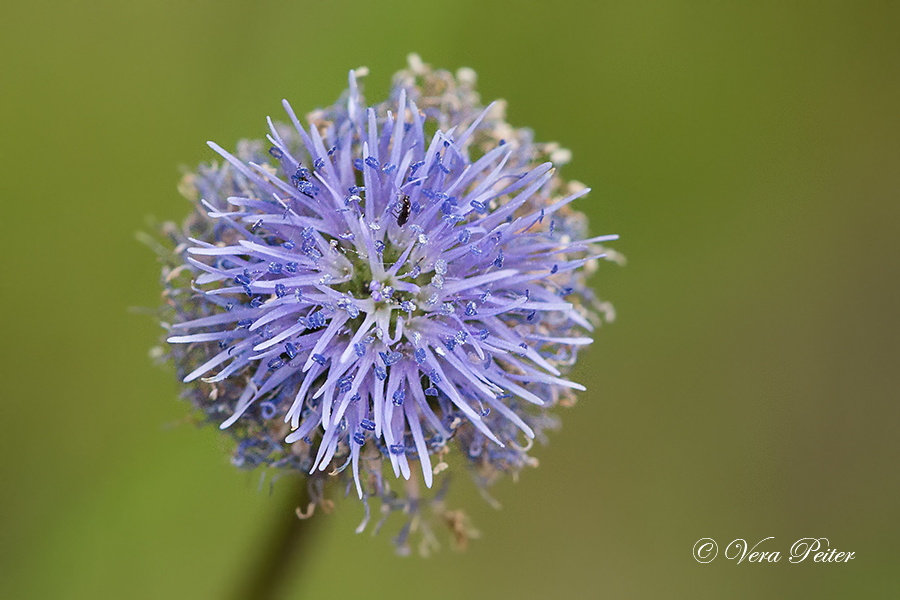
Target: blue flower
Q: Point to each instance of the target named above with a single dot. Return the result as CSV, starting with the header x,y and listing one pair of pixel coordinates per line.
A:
x,y
359,296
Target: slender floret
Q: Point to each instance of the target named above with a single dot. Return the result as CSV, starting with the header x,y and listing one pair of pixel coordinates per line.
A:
x,y
379,287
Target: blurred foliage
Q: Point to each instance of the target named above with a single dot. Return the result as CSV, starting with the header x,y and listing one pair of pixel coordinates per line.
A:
x,y
747,154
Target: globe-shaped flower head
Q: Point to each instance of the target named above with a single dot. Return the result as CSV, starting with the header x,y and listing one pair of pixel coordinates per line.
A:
x,y
381,287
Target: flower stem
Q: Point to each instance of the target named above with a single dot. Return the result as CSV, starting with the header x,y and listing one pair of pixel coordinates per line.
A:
x,y
288,540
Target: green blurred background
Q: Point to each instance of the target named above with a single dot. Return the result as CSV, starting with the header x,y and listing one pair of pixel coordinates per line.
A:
x,y
747,154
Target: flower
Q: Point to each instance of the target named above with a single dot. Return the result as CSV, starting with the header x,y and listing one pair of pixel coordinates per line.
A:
x,y
366,294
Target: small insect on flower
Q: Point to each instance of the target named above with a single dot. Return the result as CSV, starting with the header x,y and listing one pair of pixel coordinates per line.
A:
x,y
358,301
403,210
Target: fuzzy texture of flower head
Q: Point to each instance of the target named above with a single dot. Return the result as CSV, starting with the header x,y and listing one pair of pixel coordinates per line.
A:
x,y
365,294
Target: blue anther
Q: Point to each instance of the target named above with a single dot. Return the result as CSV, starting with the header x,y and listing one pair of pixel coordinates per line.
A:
x,y
316,320
399,396
498,262
307,188
390,358
267,409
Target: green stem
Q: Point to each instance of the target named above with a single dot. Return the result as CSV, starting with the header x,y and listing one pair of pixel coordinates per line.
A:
x,y
288,541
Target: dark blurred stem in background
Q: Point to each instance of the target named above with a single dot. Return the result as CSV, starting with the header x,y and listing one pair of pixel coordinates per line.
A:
x,y
288,543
